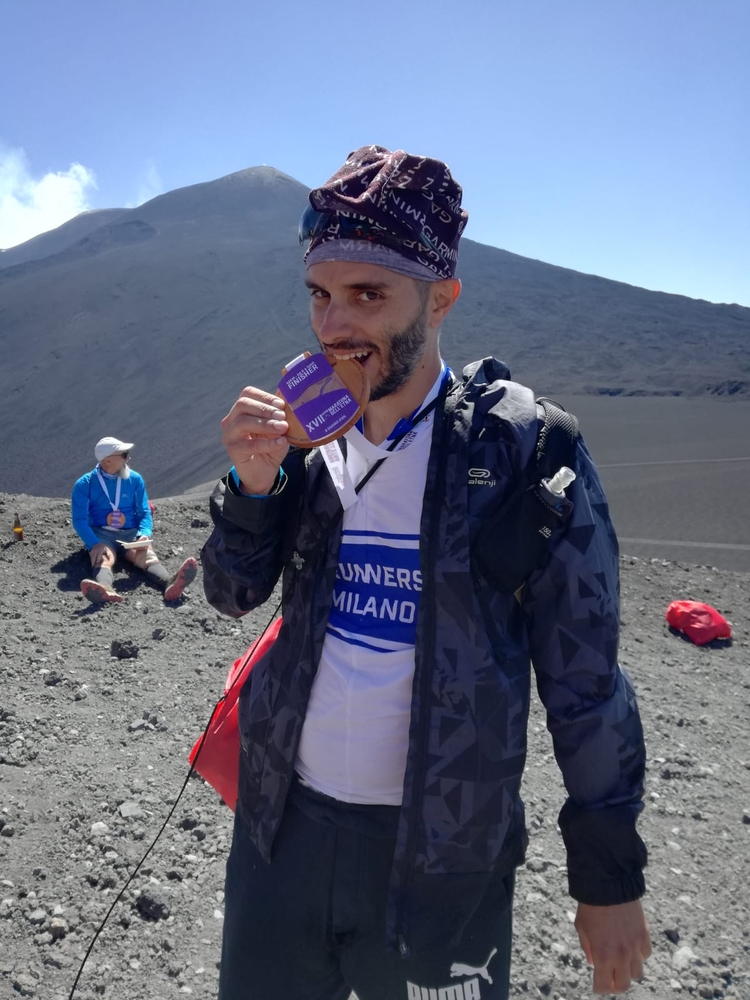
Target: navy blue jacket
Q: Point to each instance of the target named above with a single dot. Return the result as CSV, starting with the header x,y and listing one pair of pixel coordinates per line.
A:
x,y
462,821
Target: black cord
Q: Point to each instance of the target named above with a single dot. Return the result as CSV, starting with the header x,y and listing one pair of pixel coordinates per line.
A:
x,y
171,811
420,416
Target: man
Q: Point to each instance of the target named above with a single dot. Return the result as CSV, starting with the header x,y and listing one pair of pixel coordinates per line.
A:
x,y
112,515
383,736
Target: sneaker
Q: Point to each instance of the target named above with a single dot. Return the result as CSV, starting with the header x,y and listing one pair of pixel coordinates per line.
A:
x,y
182,578
97,593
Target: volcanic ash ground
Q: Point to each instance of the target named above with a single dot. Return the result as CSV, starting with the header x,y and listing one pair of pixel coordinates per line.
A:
x,y
99,708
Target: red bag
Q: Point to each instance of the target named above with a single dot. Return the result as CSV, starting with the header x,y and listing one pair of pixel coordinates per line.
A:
x,y
216,754
699,622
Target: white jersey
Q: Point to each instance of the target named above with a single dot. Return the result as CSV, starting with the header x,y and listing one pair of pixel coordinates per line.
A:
x,y
355,737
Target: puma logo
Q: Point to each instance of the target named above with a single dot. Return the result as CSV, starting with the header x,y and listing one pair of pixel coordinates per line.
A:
x,y
458,969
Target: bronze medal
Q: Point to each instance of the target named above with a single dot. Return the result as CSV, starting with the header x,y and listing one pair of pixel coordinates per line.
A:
x,y
323,398
116,519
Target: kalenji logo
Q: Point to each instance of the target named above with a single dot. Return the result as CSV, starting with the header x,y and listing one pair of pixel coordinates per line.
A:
x,y
459,991
481,477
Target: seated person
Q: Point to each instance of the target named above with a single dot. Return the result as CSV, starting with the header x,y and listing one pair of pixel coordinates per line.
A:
x,y
110,507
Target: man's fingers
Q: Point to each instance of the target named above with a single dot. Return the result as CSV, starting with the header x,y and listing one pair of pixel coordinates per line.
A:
x,y
255,402
604,977
245,448
255,414
247,428
621,976
261,396
586,945
614,974
636,969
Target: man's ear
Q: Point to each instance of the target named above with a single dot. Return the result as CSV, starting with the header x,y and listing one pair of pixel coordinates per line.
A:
x,y
443,296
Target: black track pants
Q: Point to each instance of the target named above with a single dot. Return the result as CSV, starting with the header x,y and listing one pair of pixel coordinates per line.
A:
x,y
311,925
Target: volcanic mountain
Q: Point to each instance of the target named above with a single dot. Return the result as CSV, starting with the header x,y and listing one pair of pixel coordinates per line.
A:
x,y
145,323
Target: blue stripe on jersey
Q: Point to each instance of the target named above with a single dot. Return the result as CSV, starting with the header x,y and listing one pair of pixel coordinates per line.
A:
x,y
377,591
356,642
379,534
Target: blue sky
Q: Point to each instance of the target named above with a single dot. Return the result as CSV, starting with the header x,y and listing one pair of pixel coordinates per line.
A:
x,y
609,136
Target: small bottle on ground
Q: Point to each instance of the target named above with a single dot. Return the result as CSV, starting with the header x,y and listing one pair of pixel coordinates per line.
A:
x,y
17,529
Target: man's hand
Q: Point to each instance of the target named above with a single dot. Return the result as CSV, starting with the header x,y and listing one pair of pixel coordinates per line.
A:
x,y
101,555
616,942
253,434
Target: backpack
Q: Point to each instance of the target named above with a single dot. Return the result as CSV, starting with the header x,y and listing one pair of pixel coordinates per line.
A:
x,y
521,528
516,537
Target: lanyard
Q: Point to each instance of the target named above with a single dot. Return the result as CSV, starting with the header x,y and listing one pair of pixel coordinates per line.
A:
x,y
401,437
116,504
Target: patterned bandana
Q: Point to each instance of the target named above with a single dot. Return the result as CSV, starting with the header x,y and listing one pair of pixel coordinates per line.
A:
x,y
408,205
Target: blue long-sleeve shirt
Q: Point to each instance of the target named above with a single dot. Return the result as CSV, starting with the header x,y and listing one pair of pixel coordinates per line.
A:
x,y
90,506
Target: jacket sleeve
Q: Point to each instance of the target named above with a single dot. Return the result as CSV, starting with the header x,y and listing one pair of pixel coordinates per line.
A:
x,y
571,606
242,559
80,512
142,509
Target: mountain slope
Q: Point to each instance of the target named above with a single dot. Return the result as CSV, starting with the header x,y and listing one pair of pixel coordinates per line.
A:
x,y
148,325
56,240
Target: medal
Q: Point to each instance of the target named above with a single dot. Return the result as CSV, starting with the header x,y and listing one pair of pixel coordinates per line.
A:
x,y
322,401
115,518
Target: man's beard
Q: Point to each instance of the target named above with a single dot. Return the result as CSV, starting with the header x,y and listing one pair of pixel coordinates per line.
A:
x,y
124,472
400,357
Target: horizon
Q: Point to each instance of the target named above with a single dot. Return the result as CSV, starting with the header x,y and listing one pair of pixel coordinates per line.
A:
x,y
606,140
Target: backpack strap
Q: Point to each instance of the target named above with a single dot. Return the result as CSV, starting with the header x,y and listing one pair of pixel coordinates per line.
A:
x,y
557,438
516,536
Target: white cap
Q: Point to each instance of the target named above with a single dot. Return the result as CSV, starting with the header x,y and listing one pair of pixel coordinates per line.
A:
x,y
110,446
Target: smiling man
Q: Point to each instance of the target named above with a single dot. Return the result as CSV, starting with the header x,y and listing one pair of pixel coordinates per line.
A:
x,y
379,821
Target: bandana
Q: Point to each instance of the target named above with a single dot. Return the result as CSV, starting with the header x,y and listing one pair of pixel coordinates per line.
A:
x,y
414,198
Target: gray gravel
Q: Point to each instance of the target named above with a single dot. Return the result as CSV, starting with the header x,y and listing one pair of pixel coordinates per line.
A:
x,y
99,708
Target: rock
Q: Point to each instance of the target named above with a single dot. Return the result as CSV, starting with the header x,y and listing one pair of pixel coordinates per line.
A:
x,y
672,934
683,958
159,634
24,984
124,649
37,917
99,829
152,904
130,810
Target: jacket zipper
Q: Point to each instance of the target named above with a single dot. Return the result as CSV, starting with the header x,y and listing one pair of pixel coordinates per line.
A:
x,y
424,683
